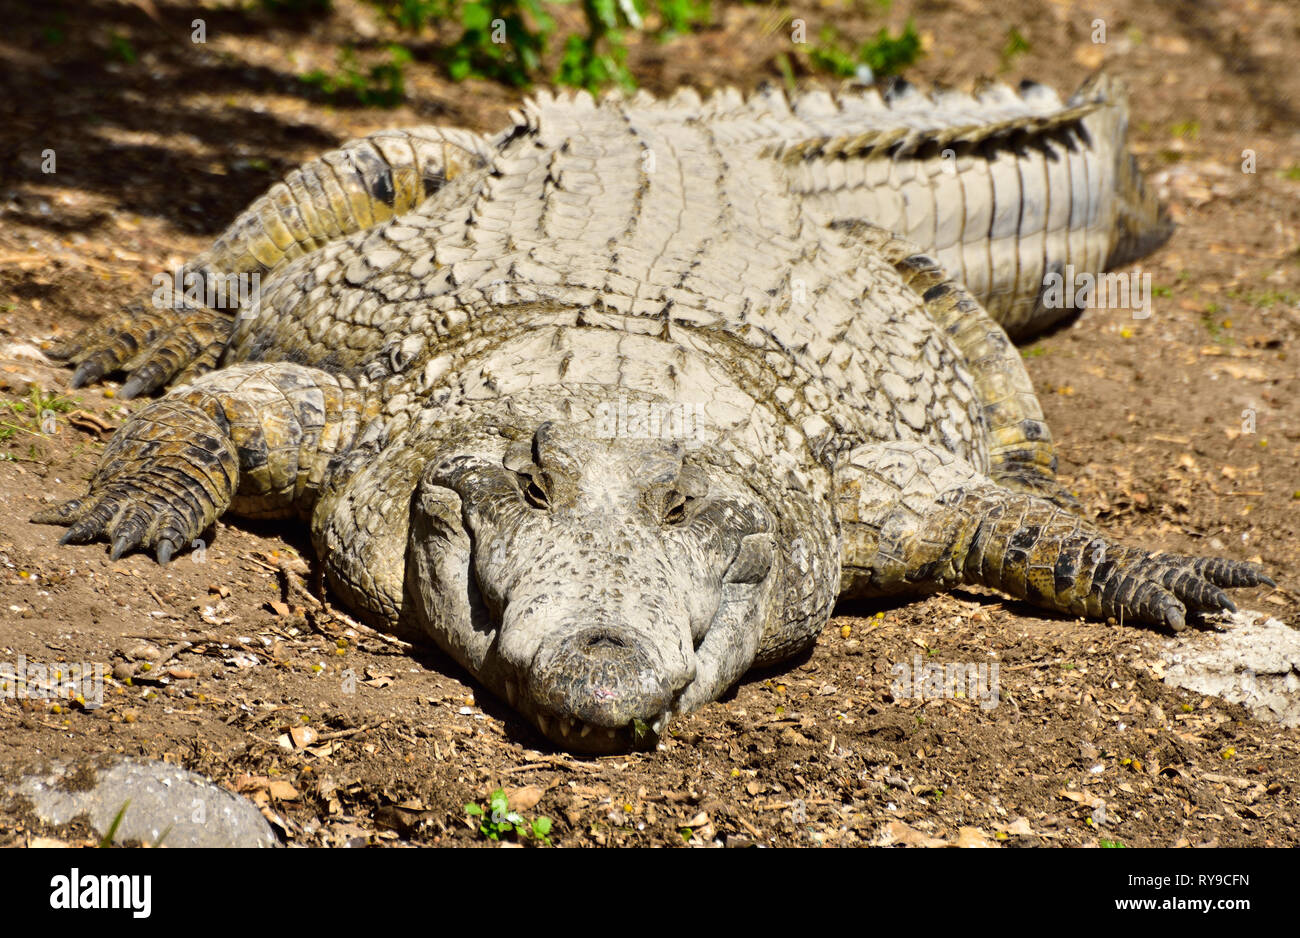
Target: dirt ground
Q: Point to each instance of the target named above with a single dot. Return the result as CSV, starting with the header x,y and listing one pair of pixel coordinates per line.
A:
x,y
1179,432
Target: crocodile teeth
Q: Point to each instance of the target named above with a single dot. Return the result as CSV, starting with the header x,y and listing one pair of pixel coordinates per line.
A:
x,y
585,730
612,733
544,723
511,693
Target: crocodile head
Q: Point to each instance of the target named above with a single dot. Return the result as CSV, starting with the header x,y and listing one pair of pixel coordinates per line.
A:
x,y
600,585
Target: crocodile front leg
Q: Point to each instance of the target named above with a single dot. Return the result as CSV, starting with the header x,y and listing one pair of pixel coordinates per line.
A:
x,y
916,519
177,331
260,440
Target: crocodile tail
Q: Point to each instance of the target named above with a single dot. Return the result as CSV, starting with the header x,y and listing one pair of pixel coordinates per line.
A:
x,y
1142,222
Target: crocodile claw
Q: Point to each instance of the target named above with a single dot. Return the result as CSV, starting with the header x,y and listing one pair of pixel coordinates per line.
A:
x,y
1165,589
125,517
136,385
121,544
151,345
87,372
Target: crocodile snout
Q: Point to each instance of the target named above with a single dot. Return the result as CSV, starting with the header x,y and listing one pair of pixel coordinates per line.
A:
x,y
604,676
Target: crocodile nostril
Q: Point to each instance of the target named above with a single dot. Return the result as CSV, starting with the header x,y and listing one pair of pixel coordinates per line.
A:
x,y
604,674
604,641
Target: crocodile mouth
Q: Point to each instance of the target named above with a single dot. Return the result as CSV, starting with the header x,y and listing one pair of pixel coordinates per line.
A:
x,y
577,735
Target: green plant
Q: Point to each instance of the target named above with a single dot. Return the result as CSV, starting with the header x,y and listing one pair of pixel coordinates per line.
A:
x,y
120,48
1264,299
33,414
56,31
107,840
889,55
787,72
640,730
413,14
501,39
381,85
507,40
599,58
497,821
885,54
679,16
829,55
1215,329
1016,44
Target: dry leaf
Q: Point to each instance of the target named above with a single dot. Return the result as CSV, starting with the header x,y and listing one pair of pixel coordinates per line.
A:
x,y
896,832
282,791
526,798
972,837
1019,827
1083,797
91,423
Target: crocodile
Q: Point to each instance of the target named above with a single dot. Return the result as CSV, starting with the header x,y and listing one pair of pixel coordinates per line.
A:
x,y
614,405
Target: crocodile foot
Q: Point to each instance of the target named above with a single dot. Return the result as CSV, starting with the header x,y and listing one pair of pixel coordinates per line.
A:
x,y
128,517
1165,589
153,345
159,484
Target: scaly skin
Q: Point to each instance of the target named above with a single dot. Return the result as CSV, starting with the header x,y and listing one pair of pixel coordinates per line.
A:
x,y
617,410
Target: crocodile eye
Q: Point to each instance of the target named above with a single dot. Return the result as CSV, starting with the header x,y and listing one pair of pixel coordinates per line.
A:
x,y
676,514
534,495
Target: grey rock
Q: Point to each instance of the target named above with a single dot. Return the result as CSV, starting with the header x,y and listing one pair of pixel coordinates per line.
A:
x,y
164,804
1255,662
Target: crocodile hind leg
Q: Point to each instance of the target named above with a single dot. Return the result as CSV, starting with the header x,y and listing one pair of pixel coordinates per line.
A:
x,y
178,330
1022,456
260,440
918,519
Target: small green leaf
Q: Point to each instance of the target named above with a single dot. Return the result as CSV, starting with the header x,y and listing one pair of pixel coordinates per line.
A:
x,y
107,840
475,16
